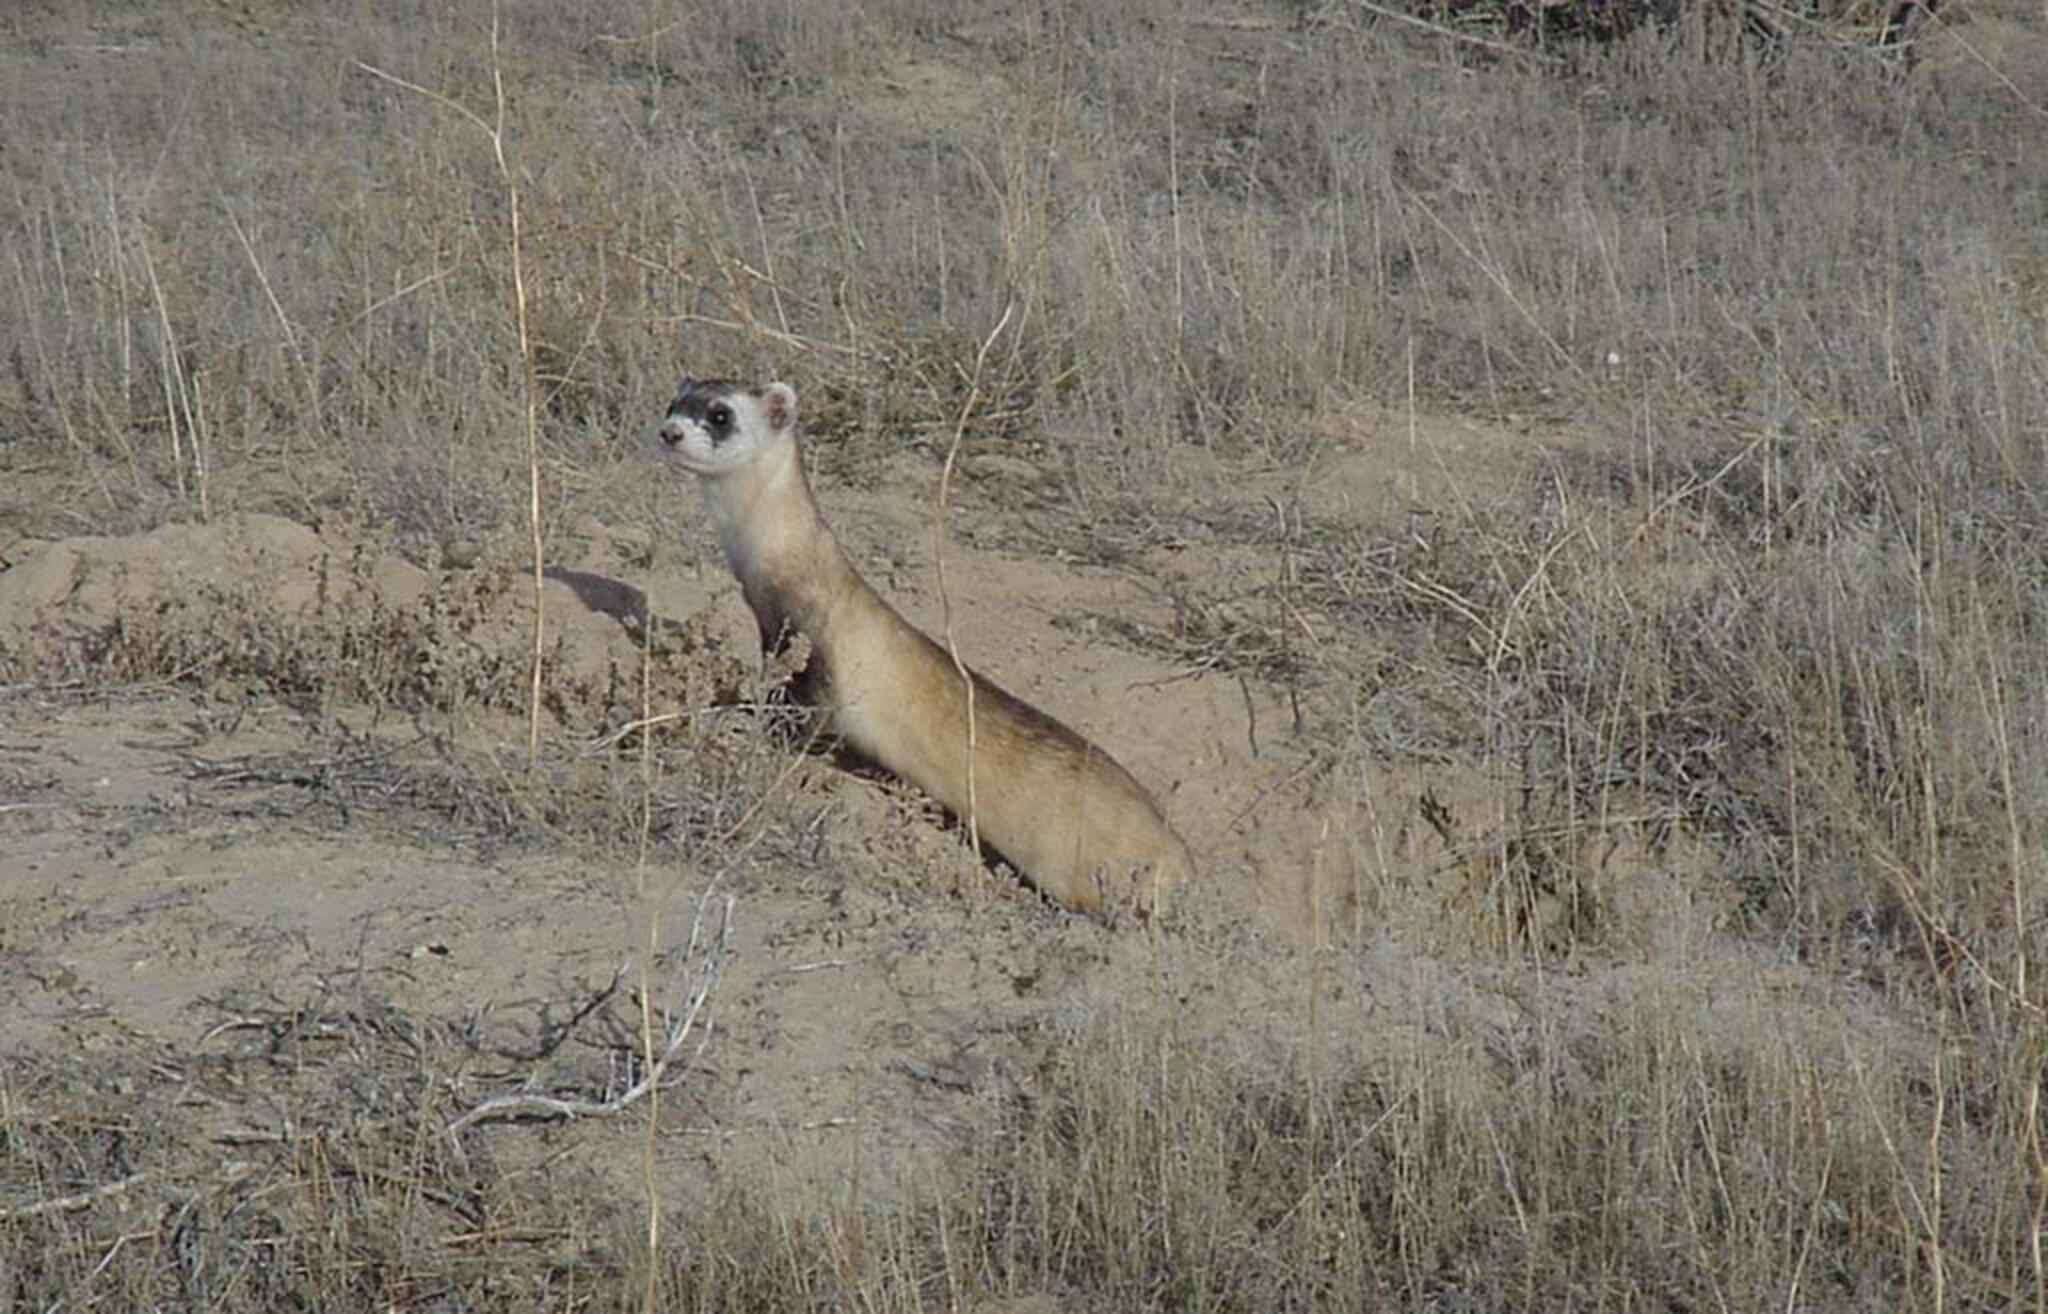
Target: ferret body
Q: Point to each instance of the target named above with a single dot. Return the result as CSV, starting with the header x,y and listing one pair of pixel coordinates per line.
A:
x,y
1059,809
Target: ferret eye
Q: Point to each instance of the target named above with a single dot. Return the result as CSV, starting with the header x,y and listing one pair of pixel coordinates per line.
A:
x,y
719,416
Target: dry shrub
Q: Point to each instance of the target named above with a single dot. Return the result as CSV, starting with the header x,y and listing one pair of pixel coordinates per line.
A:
x,y
1651,1149
113,1189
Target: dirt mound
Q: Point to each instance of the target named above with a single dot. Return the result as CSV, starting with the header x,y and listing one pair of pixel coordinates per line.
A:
x,y
262,597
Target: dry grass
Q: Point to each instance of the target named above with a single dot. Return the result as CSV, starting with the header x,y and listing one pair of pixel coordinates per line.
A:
x,y
1781,597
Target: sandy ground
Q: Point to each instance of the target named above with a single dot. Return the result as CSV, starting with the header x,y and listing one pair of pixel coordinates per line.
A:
x,y
183,873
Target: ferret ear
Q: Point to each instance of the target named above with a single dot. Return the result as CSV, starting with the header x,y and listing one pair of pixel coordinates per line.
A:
x,y
779,401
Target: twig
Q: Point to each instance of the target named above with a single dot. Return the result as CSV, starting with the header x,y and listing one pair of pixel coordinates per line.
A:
x,y
1696,485
680,1028
649,1178
939,558
495,130
646,721
606,742
790,340
67,1203
284,323
553,1036
1484,43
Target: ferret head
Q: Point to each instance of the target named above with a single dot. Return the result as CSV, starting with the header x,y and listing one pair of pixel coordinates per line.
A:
x,y
716,427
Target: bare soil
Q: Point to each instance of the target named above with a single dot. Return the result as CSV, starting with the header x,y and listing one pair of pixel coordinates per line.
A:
x,y
186,874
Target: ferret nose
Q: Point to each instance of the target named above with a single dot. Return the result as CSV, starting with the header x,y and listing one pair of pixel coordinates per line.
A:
x,y
671,431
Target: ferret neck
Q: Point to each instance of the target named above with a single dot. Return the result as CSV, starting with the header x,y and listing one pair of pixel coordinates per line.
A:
x,y
777,545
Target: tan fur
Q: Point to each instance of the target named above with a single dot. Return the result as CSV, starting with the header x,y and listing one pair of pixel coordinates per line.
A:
x,y
1054,805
